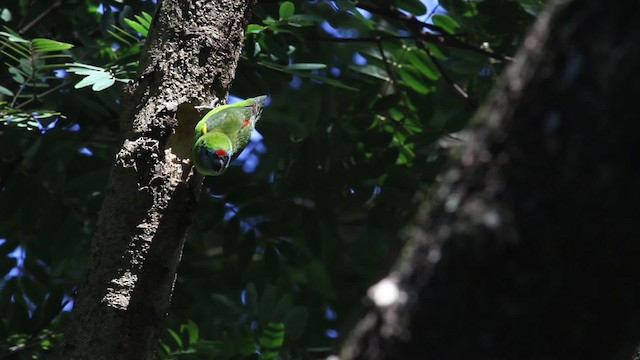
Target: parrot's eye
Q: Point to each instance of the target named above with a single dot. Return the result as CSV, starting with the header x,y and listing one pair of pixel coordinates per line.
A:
x,y
214,160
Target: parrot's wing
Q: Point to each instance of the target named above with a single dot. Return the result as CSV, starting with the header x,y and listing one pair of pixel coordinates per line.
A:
x,y
244,135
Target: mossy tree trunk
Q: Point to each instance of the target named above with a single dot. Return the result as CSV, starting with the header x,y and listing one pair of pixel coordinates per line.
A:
x,y
191,55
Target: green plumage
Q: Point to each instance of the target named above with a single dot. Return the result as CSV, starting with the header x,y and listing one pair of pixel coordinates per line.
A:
x,y
223,133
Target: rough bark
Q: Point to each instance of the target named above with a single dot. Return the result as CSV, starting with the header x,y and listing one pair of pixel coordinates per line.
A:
x,y
191,55
530,249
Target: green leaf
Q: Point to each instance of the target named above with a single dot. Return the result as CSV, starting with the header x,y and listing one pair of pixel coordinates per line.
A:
x,y
137,27
324,79
17,75
147,17
5,15
412,78
254,29
192,330
422,62
436,52
14,37
281,308
304,20
85,72
92,79
267,302
84,66
118,37
103,83
143,21
295,321
305,66
446,22
415,7
46,45
286,10
176,337
251,299
5,91
98,78
349,7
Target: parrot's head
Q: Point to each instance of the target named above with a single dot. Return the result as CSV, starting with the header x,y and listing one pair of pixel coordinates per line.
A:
x,y
212,153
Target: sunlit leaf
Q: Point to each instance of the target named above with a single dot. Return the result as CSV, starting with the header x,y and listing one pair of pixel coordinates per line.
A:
x,y
47,45
5,15
92,79
286,10
422,62
254,28
305,66
5,91
412,78
446,22
137,27
415,7
103,83
192,329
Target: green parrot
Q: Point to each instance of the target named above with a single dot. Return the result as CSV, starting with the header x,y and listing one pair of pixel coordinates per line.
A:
x,y
222,134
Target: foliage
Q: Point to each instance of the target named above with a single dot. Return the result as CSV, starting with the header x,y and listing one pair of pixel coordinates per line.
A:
x,y
360,95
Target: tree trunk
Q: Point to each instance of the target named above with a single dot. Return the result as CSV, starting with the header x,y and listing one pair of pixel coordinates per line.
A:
x,y
530,248
191,54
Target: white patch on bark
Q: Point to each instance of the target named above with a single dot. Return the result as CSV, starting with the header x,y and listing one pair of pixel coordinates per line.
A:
x,y
118,296
386,292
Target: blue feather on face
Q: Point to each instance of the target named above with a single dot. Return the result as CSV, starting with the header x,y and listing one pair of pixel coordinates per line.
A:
x,y
214,160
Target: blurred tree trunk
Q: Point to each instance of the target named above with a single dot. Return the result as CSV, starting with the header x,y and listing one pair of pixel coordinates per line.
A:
x,y
191,55
530,249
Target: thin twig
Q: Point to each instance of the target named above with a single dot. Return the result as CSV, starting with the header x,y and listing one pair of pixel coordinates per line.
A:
x,y
456,88
55,88
40,17
386,61
20,89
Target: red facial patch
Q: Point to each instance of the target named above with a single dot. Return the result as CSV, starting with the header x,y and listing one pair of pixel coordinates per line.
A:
x,y
221,152
246,123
